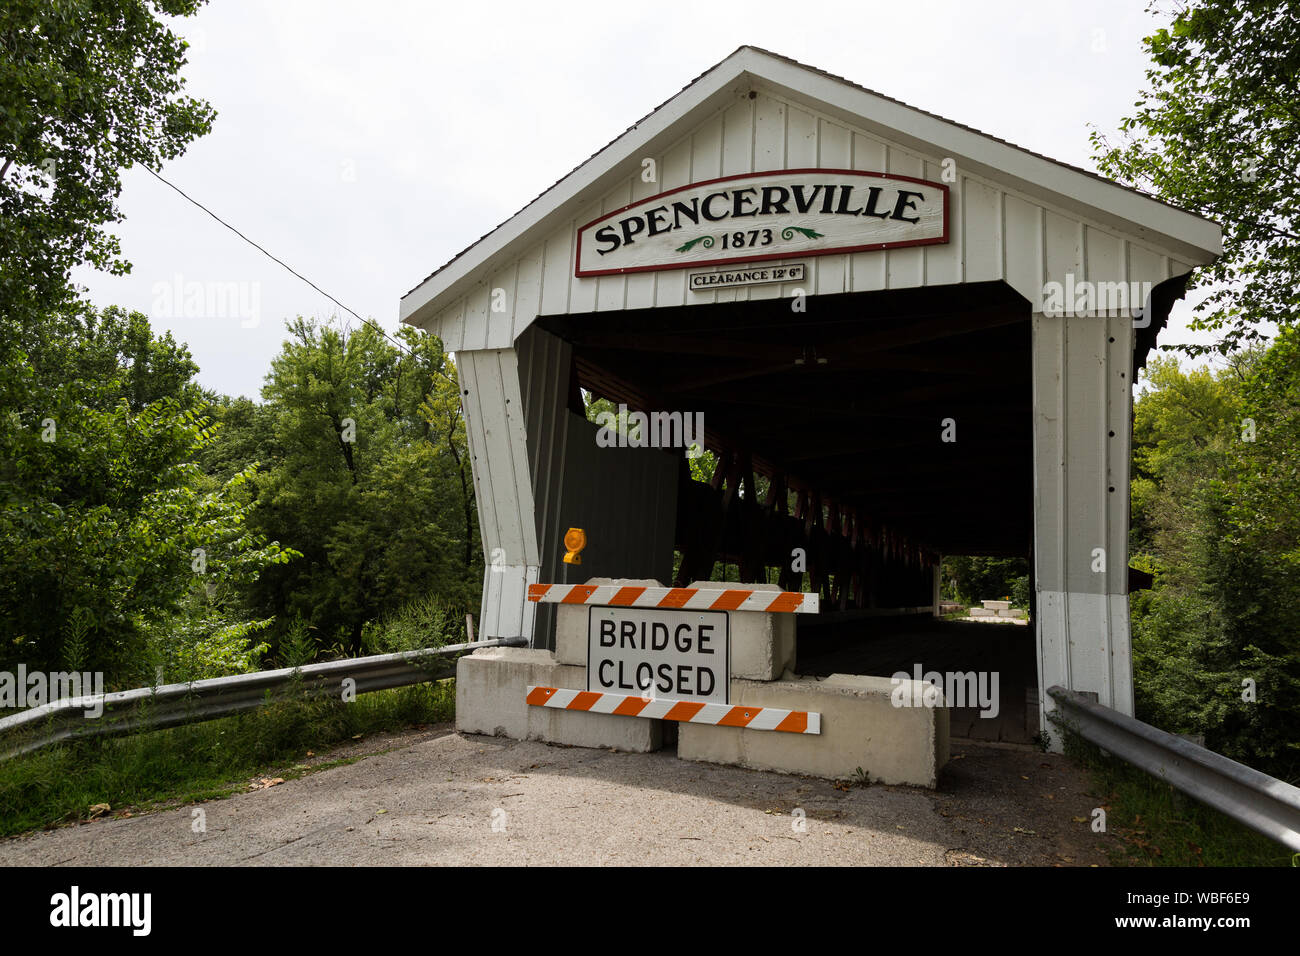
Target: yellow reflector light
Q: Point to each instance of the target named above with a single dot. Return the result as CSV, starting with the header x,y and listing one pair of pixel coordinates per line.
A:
x,y
575,539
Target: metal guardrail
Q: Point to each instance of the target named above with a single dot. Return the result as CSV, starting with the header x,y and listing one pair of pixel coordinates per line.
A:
x,y
168,705
1263,803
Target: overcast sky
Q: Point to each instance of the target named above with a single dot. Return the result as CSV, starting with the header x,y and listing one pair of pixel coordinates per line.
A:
x,y
365,144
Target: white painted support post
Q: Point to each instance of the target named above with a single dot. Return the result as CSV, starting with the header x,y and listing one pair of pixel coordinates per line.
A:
x,y
1082,422
497,434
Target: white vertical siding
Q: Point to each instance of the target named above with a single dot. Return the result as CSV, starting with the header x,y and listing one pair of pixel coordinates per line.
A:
x,y
943,263
981,231
557,269
476,318
496,430
1103,256
1081,452
528,293
1022,245
770,119
994,233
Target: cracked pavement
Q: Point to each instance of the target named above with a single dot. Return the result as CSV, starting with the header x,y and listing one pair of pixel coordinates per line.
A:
x,y
441,798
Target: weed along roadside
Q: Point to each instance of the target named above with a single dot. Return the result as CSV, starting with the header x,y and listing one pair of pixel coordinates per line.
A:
x,y
100,779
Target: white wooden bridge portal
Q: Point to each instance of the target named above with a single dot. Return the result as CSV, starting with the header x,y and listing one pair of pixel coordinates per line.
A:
x,y
907,326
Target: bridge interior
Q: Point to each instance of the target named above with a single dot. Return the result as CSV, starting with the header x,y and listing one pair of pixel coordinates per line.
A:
x,y
869,433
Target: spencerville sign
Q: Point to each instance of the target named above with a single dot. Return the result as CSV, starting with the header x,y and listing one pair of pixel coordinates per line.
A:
x,y
782,214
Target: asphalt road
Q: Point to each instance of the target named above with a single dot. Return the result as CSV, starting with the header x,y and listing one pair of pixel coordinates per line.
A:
x,y
439,798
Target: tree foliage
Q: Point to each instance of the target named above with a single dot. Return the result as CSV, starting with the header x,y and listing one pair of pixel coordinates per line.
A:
x,y
1217,132
87,88
106,519
1217,520
365,472
970,579
134,523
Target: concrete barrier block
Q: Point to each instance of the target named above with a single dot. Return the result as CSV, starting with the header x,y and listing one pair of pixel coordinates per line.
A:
x,y
491,687
571,634
762,645
860,727
571,622
982,612
996,605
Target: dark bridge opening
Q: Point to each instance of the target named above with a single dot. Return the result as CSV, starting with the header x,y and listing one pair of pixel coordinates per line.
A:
x,y
857,440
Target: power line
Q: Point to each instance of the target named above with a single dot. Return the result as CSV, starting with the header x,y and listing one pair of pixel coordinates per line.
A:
x,y
184,195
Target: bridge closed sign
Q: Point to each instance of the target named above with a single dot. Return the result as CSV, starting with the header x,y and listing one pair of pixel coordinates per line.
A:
x,y
667,655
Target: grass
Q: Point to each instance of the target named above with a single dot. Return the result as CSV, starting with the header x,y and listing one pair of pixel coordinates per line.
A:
x,y
61,783
1160,826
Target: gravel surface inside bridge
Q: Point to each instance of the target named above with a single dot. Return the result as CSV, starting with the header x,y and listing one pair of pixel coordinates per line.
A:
x,y
439,798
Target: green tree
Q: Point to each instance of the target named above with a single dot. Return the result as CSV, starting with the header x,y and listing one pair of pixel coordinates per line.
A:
x,y
1179,425
107,526
1217,520
368,478
87,89
1217,132
442,411
116,551
246,435
974,578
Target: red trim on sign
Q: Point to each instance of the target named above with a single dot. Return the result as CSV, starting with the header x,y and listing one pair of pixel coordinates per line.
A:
x,y
840,250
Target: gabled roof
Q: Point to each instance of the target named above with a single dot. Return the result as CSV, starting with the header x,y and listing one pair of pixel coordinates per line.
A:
x,y
1192,236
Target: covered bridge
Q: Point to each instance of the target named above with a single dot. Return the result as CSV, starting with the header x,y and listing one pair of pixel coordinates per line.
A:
x,y
924,338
